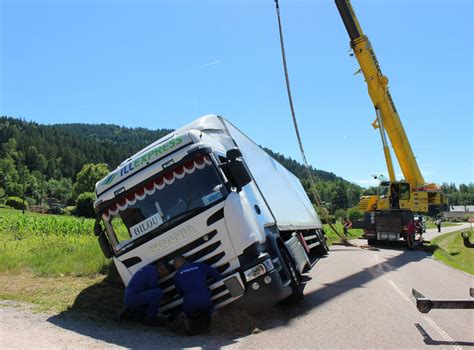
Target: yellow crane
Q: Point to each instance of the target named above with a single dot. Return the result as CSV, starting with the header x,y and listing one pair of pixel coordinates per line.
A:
x,y
397,201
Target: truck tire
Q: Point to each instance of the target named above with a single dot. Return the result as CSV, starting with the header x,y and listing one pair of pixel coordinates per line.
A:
x,y
296,284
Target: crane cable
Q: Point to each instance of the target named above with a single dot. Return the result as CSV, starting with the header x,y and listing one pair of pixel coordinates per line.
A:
x,y
314,191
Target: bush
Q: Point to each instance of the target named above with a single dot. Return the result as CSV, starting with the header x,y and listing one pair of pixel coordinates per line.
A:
x,y
85,205
355,214
70,210
340,214
16,203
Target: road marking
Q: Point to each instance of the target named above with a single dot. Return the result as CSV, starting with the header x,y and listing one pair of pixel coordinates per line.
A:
x,y
398,290
433,324
442,333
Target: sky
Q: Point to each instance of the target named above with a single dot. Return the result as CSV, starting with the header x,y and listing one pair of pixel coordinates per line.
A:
x,y
161,64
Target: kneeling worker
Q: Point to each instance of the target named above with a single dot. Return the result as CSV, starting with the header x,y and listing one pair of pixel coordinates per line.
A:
x,y
143,295
191,282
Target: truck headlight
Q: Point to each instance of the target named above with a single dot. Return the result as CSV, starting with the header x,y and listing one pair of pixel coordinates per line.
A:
x,y
258,270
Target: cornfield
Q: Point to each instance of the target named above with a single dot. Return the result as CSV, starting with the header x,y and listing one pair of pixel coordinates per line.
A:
x,y
19,226
49,245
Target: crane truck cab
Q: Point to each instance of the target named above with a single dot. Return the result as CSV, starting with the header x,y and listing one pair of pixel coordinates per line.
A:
x,y
206,191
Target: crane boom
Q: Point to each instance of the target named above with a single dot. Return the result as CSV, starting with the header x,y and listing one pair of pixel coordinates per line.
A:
x,y
377,85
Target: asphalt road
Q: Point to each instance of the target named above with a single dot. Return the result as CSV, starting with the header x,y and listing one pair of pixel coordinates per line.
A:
x,y
360,298
356,298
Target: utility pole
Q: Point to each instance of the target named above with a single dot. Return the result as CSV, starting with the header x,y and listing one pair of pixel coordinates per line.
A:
x,y
41,192
23,208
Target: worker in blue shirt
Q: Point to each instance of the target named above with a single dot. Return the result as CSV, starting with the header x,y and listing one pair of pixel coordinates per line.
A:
x,y
143,295
191,283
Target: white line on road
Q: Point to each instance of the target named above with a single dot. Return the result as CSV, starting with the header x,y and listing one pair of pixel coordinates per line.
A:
x,y
442,333
398,290
433,324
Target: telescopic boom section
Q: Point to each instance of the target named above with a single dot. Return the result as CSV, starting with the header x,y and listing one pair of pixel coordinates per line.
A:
x,y
377,85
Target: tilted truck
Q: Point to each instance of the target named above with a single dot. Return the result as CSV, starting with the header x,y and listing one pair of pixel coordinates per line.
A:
x,y
208,192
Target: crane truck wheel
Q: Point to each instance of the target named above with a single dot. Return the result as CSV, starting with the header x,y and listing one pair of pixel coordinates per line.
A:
x,y
296,284
372,241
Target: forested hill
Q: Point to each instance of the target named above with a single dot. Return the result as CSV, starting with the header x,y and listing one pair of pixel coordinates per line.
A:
x,y
56,153
61,150
300,171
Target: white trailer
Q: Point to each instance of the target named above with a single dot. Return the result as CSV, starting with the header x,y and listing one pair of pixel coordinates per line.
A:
x,y
208,192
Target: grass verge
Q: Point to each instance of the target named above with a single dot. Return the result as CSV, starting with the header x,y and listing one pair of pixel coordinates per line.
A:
x,y
55,263
48,245
432,224
449,248
332,237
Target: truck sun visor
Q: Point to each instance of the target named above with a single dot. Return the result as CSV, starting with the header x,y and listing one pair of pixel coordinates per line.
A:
x,y
156,184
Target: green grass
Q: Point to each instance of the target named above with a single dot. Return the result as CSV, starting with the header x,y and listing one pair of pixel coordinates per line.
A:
x,y
55,262
432,224
449,248
48,245
332,237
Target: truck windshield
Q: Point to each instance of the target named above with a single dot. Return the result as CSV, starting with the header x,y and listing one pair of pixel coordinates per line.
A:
x,y
166,200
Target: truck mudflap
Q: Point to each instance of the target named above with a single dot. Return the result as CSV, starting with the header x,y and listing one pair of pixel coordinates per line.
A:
x,y
297,252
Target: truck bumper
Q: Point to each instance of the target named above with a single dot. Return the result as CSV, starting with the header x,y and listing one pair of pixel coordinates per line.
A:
x,y
265,290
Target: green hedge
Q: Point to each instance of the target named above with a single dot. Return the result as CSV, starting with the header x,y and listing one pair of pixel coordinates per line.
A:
x,y
16,203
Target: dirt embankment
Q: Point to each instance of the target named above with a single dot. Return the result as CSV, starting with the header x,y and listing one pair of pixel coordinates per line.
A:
x,y
22,328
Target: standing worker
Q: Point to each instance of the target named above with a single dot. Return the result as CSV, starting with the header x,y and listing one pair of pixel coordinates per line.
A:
x,y
143,295
191,282
438,224
347,224
411,230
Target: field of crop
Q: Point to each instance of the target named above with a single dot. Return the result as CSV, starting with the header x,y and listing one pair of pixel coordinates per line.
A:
x,y
48,245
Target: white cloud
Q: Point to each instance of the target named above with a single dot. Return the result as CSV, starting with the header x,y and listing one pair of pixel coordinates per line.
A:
x,y
210,64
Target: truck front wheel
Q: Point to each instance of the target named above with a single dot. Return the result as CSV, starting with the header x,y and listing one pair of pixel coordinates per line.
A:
x,y
296,284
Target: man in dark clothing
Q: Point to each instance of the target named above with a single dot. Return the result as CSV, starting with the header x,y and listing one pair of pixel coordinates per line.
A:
x,y
394,197
143,295
191,283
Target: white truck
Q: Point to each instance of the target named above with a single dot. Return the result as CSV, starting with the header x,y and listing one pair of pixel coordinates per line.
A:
x,y
208,192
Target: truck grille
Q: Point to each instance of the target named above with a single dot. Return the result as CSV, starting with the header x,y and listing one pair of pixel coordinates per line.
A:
x,y
207,249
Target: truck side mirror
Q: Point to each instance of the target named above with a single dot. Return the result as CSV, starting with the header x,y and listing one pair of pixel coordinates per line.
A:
x,y
98,229
105,246
233,154
239,173
235,169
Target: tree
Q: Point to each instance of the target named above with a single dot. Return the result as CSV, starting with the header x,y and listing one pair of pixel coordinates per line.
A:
x,y
88,176
32,159
85,205
60,190
354,213
340,214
